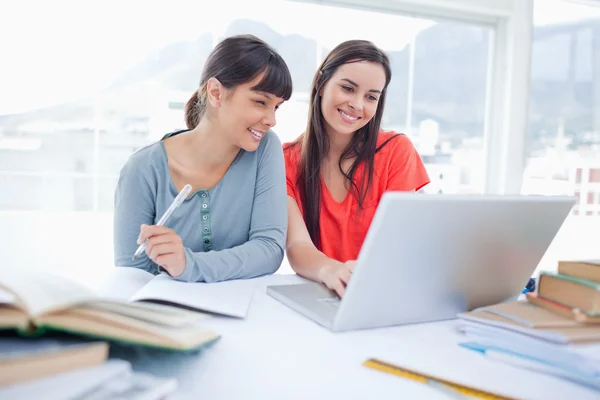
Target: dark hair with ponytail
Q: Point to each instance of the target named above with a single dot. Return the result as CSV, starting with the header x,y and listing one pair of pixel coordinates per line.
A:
x,y
235,61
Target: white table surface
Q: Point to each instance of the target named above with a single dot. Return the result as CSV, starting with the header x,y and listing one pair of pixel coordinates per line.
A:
x,y
275,353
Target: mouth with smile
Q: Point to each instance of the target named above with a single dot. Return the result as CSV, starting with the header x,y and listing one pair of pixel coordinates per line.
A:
x,y
256,134
347,117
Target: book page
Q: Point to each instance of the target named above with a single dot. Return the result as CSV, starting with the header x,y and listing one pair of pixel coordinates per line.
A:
x,y
230,298
7,297
41,291
123,282
150,312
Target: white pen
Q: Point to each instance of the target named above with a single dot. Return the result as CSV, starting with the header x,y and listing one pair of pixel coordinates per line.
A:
x,y
176,203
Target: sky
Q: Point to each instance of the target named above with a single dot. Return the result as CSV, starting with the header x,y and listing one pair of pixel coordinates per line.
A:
x,y
58,50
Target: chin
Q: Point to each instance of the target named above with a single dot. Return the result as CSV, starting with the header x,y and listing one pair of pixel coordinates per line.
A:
x,y
347,130
249,147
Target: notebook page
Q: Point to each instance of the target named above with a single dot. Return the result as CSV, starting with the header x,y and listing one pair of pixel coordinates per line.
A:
x,y
41,291
230,298
123,282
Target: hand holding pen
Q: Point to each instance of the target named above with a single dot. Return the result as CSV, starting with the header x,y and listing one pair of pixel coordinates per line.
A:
x,y
162,244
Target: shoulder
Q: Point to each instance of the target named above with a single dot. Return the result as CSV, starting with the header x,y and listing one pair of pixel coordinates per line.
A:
x,y
292,151
144,160
270,140
269,148
392,139
392,144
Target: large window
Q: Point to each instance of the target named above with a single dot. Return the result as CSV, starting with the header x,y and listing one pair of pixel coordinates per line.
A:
x,y
85,95
563,146
86,88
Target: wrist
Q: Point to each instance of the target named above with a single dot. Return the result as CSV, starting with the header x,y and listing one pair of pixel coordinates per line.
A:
x,y
321,272
188,269
325,269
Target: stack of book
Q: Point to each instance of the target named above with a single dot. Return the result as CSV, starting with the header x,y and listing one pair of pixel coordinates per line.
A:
x,y
55,334
573,292
35,368
556,330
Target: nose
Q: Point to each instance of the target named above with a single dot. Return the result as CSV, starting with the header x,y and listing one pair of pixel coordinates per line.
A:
x,y
356,103
269,119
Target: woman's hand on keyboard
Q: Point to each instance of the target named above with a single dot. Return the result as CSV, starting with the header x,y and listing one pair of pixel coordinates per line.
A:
x,y
336,276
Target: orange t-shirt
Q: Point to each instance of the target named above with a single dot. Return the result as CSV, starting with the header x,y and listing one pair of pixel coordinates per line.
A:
x,y
397,167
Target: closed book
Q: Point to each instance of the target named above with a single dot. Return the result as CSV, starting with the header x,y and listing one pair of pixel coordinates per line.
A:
x,y
570,291
585,269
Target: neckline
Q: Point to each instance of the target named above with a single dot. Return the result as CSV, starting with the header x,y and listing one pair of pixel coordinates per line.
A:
x,y
325,190
172,186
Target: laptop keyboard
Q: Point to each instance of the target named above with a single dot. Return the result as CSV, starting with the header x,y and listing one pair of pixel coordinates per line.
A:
x,y
331,301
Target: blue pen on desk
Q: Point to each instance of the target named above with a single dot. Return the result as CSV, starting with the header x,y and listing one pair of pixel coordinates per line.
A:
x,y
176,203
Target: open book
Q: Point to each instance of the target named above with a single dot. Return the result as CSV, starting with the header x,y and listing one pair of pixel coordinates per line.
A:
x,y
134,306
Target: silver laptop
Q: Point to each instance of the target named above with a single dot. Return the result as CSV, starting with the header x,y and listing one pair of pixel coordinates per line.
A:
x,y
428,257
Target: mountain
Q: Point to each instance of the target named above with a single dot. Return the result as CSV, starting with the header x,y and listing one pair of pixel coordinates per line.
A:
x,y
299,52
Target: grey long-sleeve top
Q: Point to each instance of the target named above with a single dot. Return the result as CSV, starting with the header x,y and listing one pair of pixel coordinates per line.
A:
x,y
237,229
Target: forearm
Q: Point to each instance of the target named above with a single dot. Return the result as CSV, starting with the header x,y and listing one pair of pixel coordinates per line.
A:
x,y
307,261
257,257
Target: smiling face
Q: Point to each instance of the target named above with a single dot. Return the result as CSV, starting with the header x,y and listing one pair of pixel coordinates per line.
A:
x,y
350,98
246,114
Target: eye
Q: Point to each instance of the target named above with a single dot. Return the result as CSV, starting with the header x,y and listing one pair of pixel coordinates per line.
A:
x,y
261,102
347,88
372,98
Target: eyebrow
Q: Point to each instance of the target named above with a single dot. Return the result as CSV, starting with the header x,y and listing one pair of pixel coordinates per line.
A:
x,y
260,92
350,81
267,95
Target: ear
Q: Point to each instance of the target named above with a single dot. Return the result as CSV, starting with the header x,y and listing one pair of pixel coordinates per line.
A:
x,y
214,92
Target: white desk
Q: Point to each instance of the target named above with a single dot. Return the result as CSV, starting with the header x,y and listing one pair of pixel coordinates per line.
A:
x,y
277,354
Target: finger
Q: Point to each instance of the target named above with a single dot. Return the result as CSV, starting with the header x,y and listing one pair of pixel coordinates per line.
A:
x,y
160,250
152,230
340,289
164,262
160,239
169,263
345,276
158,245
143,227
350,265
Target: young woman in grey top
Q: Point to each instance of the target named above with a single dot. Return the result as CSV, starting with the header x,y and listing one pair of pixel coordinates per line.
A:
x,y
233,225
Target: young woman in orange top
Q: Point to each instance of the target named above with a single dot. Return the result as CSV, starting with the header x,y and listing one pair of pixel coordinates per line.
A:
x,y
339,168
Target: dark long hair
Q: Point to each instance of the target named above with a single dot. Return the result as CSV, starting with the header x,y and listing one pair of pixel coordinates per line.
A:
x,y
237,60
315,142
